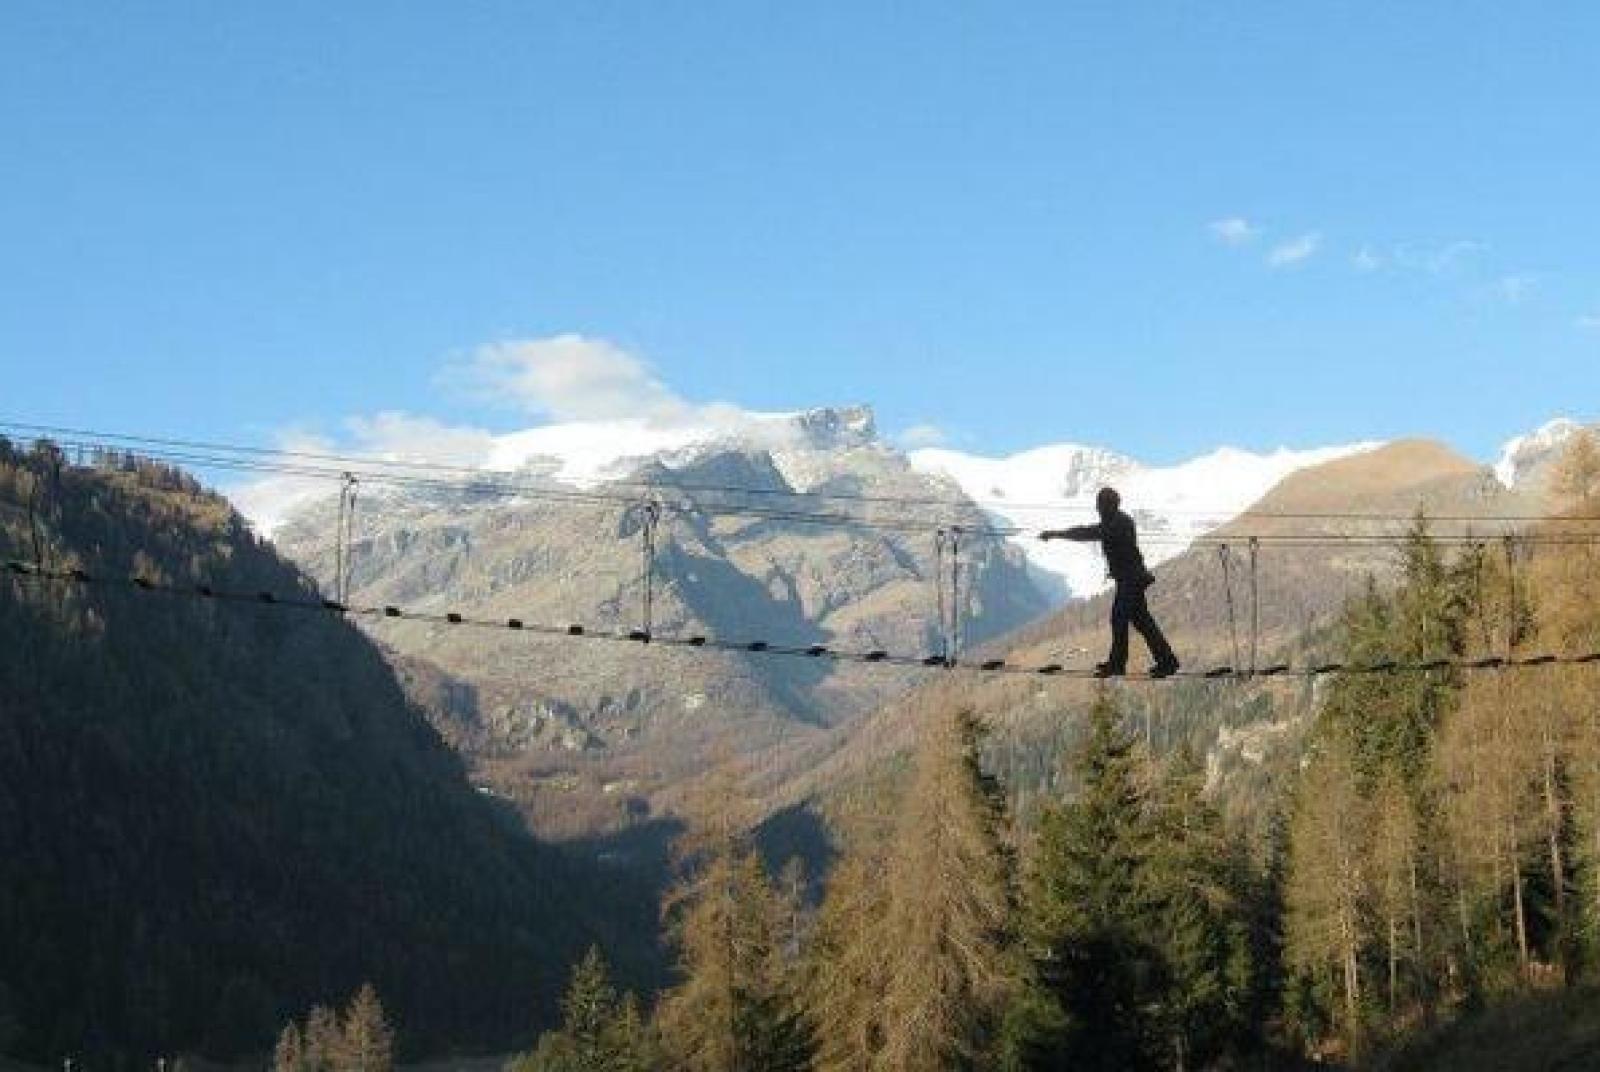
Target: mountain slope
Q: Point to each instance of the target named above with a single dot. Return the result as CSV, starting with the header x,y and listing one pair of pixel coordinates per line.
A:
x,y
1301,587
213,815
586,736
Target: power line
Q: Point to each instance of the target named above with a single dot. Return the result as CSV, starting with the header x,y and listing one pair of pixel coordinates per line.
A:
x,y
476,478
944,661
509,485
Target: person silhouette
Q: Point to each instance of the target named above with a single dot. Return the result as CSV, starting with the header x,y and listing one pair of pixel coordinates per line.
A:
x,y
1119,540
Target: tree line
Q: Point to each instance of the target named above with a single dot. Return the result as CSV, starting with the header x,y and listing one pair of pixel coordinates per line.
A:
x,y
1130,934
1445,838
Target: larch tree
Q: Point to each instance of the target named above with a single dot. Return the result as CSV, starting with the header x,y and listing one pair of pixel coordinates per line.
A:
x,y
847,964
289,1054
734,1009
322,1039
948,923
1329,890
1396,864
367,1043
1489,766
1568,580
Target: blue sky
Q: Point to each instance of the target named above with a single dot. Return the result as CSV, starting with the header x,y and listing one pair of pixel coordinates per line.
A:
x,y
1161,227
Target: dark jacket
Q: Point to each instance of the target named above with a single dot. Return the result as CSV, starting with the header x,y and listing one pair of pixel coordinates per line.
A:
x,y
1119,539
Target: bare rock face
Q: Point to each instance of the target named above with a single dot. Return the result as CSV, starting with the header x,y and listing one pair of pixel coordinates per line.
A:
x,y
587,734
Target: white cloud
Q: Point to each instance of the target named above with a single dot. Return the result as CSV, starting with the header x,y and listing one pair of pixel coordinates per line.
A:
x,y
922,435
1232,230
568,378
269,500
390,436
1295,251
1589,321
1365,260
396,436
597,410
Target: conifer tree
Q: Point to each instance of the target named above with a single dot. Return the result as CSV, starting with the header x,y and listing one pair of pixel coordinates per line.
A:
x,y
1489,763
367,1040
598,1033
1329,886
1194,884
734,1008
322,1039
1086,914
948,921
847,969
630,1045
588,1008
1395,851
289,1054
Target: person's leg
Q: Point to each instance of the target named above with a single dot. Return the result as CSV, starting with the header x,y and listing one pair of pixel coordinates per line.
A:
x,y
1139,616
1118,659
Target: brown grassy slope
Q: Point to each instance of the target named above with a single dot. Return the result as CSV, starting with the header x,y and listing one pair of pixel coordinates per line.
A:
x,y
1300,584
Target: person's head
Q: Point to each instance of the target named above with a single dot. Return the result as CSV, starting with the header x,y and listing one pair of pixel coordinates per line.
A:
x,y
1107,501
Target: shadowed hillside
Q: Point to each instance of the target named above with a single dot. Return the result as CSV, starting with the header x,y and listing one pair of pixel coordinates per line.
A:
x,y
213,815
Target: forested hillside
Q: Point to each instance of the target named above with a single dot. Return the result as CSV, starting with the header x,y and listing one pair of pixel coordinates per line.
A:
x,y
214,815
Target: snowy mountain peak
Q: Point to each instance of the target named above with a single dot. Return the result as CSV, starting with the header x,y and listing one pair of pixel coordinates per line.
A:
x,y
585,453
1524,454
1051,474
836,428
1052,486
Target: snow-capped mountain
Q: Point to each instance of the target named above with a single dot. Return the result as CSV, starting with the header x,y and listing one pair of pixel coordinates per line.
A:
x,y
588,453
1044,487
837,450
1526,458
1051,487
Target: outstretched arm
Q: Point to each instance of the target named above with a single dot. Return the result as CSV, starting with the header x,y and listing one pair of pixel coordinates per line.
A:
x,y
1081,533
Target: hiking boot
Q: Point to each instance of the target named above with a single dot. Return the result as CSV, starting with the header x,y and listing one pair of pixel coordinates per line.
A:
x,y
1165,668
1107,670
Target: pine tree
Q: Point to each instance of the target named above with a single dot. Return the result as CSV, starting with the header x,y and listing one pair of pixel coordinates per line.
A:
x,y
1085,912
1194,882
598,1033
588,1009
